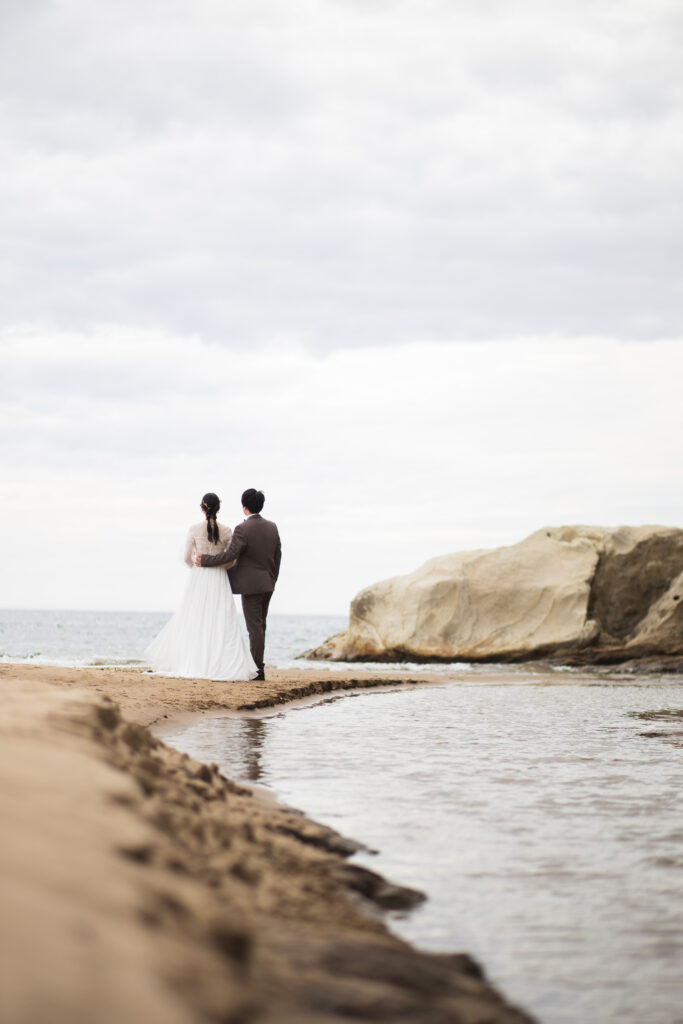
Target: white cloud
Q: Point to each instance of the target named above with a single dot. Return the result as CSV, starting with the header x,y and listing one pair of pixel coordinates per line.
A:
x,y
229,228
371,461
343,173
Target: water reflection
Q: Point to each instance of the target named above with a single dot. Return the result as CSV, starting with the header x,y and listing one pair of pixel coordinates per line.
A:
x,y
237,744
254,740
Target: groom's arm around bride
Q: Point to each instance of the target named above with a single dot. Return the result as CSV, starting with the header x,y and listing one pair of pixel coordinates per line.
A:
x,y
256,546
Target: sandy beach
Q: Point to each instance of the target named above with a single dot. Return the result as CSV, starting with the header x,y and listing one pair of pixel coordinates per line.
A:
x,y
139,885
148,699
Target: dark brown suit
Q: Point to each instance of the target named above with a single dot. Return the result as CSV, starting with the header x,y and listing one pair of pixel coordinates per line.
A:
x,y
256,546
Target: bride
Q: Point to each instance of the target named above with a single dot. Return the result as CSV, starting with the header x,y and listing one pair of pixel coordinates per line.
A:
x,y
203,640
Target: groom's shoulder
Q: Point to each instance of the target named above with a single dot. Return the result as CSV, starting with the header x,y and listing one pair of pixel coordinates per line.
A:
x,y
259,523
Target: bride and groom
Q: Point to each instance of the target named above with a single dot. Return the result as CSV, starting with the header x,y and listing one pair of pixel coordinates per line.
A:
x,y
204,640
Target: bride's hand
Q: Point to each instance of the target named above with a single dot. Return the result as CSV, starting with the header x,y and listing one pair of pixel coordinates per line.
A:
x,y
197,559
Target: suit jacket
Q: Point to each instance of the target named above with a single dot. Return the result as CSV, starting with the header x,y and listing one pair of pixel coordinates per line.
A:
x,y
256,546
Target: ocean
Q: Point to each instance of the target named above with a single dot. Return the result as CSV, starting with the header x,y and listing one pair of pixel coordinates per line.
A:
x,y
95,639
111,639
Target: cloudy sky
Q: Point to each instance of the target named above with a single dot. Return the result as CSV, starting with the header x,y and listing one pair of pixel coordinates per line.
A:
x,y
411,266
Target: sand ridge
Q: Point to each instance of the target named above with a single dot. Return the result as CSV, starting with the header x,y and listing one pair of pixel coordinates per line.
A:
x,y
147,698
139,885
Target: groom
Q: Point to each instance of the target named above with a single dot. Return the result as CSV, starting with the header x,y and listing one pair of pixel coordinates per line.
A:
x,y
256,546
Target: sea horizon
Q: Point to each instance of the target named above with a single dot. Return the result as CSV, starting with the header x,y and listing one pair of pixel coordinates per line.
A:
x,y
72,638
110,638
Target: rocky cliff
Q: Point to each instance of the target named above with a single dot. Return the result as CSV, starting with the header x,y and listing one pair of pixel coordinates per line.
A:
x,y
584,592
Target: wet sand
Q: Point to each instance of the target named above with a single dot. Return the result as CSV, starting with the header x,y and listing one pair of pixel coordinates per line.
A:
x,y
138,885
149,699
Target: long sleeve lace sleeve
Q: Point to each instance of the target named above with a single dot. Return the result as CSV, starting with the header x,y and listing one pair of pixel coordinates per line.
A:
x,y
188,554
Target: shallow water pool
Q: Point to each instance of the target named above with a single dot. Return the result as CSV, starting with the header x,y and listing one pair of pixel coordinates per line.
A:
x,y
540,813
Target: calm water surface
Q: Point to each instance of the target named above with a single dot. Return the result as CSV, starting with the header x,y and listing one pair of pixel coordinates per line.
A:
x,y
542,815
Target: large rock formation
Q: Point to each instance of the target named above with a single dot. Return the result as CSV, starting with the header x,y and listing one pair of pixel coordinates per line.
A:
x,y
596,593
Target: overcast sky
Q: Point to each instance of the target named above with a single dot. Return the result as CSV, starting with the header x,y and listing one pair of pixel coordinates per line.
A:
x,y
413,268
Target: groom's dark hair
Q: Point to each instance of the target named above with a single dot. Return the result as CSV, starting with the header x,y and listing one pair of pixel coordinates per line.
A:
x,y
253,500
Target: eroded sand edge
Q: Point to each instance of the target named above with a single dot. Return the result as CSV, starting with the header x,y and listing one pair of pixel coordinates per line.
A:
x,y
138,885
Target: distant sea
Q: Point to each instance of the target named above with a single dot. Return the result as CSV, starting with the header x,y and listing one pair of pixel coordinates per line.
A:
x,y
102,639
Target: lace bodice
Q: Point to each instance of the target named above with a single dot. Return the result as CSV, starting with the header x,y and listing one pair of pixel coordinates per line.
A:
x,y
197,541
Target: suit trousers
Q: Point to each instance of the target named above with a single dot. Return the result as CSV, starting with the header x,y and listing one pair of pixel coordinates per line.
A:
x,y
255,608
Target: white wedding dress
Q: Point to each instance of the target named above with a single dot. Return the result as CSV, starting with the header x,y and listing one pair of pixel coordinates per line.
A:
x,y
204,640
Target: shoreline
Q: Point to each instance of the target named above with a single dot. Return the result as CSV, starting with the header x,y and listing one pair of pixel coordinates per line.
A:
x,y
138,883
150,699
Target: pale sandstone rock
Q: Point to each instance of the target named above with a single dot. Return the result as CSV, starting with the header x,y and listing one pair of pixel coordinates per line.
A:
x,y
560,591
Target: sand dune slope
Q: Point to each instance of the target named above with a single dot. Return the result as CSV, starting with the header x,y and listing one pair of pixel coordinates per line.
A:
x,y
137,885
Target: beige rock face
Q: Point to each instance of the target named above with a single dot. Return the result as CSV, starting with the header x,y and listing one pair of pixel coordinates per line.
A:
x,y
560,591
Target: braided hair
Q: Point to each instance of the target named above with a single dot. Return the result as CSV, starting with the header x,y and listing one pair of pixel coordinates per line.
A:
x,y
210,506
